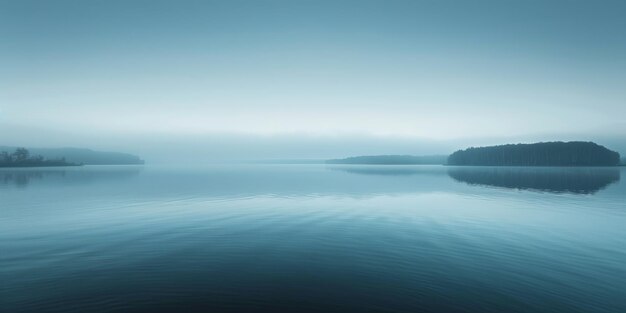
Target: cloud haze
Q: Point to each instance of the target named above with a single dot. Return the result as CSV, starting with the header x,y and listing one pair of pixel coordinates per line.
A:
x,y
309,78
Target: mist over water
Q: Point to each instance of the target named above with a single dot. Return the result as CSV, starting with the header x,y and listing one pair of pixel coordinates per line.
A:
x,y
200,81
311,238
217,96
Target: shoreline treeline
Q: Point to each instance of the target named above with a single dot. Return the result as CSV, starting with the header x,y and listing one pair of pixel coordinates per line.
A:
x,y
21,157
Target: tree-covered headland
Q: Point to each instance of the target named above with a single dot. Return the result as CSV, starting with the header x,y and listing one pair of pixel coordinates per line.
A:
x,y
573,153
21,157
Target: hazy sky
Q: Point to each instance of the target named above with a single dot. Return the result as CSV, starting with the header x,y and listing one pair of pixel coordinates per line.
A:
x,y
114,73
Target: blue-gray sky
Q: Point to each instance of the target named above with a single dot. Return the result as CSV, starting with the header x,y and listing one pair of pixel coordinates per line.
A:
x,y
111,74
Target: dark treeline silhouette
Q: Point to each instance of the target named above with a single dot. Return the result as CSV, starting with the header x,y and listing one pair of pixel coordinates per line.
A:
x,y
557,180
391,160
574,153
83,156
22,158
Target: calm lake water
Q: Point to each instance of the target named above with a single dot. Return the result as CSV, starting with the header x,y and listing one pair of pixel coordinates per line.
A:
x,y
312,238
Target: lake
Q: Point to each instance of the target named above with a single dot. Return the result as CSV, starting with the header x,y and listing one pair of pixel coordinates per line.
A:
x,y
312,238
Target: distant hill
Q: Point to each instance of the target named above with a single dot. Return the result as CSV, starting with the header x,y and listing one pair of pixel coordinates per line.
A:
x,y
82,156
391,160
573,153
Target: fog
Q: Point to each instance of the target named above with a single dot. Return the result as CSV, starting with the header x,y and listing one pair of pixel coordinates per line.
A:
x,y
210,148
199,81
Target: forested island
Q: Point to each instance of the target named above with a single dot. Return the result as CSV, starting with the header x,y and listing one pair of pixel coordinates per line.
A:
x,y
21,157
391,160
573,153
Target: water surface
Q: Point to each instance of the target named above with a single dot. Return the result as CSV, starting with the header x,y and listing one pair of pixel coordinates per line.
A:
x,y
312,238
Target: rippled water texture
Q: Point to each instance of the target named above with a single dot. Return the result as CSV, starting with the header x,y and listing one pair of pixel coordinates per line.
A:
x,y
312,238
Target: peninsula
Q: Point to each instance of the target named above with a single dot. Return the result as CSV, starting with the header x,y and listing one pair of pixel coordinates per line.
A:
x,y
22,158
81,156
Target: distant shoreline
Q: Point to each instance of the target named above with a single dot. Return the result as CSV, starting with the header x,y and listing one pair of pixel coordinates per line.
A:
x,y
541,154
41,165
45,157
391,160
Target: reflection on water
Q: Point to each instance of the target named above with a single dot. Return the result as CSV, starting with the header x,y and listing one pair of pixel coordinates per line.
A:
x,y
387,170
559,180
22,177
289,181
308,238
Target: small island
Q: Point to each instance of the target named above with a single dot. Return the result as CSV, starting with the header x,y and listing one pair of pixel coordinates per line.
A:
x,y
22,158
573,153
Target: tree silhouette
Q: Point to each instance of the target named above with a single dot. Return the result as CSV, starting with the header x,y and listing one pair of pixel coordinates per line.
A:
x,y
21,154
22,158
